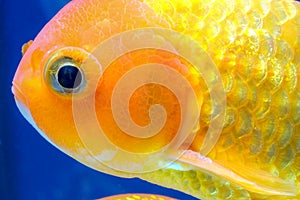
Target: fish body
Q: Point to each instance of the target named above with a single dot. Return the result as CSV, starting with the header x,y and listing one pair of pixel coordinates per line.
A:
x,y
241,94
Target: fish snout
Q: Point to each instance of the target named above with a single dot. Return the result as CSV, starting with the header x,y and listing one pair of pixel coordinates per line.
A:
x,y
20,89
21,102
19,96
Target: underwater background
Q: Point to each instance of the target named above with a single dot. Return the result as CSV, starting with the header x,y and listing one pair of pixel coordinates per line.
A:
x,y
30,167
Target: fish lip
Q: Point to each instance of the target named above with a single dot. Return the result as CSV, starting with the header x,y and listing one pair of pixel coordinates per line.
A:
x,y
21,101
18,94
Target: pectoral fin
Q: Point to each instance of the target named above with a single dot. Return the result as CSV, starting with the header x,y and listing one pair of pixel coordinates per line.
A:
x,y
254,180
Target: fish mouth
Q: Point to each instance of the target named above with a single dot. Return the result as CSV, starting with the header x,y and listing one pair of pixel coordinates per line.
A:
x,y
21,103
18,94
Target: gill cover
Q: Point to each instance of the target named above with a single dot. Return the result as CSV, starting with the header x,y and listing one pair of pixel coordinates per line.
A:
x,y
152,103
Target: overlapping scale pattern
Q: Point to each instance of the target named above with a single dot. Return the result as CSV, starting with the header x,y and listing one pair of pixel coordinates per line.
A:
x,y
256,46
199,184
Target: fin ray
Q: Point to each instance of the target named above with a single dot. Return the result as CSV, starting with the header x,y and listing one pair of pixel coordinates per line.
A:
x,y
254,180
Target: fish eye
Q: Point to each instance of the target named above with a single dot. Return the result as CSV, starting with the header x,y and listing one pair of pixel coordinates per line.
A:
x,y
69,77
65,75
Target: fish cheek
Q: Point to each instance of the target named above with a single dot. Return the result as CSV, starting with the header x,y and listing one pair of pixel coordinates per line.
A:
x,y
53,115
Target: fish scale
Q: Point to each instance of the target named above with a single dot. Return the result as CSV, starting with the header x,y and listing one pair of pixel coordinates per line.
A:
x,y
255,45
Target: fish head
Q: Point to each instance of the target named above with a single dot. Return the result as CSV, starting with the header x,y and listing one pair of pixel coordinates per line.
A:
x,y
73,86
36,97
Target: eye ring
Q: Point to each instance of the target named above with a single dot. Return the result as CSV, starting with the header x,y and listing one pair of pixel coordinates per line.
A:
x,y
65,76
71,60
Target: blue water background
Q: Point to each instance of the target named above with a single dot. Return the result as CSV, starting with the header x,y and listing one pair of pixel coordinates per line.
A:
x,y
30,168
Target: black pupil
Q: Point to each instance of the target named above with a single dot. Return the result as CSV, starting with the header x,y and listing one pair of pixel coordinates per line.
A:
x,y
69,77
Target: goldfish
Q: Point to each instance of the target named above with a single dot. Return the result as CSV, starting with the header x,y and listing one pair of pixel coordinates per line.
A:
x,y
199,96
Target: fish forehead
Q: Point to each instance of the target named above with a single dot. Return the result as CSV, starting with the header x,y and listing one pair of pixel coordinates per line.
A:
x,y
87,23
256,48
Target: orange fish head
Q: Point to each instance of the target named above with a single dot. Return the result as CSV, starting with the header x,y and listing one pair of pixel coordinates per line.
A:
x,y
73,85
37,98
58,51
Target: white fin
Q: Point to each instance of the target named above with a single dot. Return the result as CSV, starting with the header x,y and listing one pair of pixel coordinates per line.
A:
x,y
253,180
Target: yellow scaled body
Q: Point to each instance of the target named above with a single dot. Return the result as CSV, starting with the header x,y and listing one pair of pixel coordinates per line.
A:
x,y
254,46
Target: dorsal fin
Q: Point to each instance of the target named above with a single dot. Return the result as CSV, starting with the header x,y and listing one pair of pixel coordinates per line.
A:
x,y
254,180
